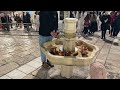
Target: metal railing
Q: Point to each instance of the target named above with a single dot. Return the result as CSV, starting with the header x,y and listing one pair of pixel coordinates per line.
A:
x,y
26,25
17,23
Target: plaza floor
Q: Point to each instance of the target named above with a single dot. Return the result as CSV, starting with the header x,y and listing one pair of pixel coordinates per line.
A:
x,y
20,56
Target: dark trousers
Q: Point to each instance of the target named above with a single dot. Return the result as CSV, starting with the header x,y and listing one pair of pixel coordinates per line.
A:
x,y
111,31
11,26
103,33
115,32
85,31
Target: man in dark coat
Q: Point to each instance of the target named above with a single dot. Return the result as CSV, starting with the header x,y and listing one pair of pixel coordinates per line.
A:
x,y
28,21
24,20
47,29
116,25
105,19
5,19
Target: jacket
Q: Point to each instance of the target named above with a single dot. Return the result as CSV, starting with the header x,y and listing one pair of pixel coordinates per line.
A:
x,y
117,22
48,22
105,19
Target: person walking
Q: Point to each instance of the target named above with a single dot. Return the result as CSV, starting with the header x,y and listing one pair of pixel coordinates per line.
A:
x,y
93,23
116,25
105,25
24,20
28,21
86,24
47,30
112,19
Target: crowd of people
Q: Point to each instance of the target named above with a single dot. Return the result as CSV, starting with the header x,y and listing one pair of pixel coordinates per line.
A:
x,y
7,20
108,21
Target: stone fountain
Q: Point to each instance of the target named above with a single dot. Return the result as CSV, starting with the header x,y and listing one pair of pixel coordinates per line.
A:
x,y
69,51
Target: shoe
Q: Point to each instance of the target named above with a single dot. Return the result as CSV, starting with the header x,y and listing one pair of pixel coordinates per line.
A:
x,y
48,62
110,36
45,65
104,39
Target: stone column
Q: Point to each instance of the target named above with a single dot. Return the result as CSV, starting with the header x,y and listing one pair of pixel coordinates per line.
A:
x,y
69,43
66,14
58,15
32,17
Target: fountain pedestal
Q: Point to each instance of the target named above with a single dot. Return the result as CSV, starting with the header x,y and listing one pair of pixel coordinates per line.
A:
x,y
69,44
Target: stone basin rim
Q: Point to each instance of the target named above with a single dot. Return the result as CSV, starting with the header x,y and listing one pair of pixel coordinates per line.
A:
x,y
72,59
85,58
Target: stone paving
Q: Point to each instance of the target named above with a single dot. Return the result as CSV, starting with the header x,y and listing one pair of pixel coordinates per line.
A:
x,y
17,47
20,57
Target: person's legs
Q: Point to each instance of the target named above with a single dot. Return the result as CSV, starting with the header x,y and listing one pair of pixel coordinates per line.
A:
x,y
42,40
104,34
111,31
114,32
37,27
85,30
117,31
48,62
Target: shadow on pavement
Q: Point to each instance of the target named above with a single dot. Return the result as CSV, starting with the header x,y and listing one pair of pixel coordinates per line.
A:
x,y
41,73
108,41
111,42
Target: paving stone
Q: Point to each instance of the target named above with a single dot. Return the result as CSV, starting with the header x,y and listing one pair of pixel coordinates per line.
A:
x,y
114,51
5,77
25,59
7,68
15,52
101,61
25,48
80,72
102,56
99,45
30,77
2,62
112,75
113,56
5,56
41,73
104,51
26,69
22,54
53,72
112,69
38,59
115,47
11,59
115,63
34,64
16,74
35,54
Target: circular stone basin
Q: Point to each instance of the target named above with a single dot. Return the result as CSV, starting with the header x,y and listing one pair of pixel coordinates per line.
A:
x,y
70,60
